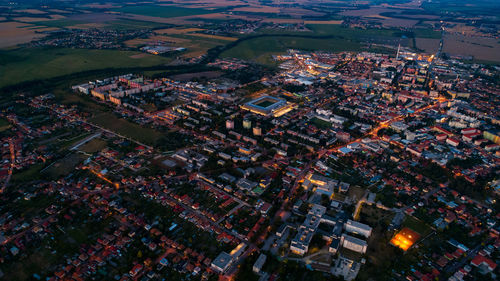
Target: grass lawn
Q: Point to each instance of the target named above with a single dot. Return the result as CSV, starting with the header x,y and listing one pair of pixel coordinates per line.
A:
x,y
126,128
26,64
321,124
32,173
371,215
417,225
356,192
64,166
164,11
93,146
4,125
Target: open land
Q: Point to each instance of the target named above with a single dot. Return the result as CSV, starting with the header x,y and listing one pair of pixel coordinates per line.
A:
x,y
36,63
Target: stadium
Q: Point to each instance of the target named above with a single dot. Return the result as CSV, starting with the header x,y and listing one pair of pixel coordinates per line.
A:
x,y
268,105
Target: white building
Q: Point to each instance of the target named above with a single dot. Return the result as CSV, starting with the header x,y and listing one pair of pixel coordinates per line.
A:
x,y
257,266
358,228
354,244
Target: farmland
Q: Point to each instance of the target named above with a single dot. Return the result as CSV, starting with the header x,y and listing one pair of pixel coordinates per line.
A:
x,y
164,11
13,33
37,63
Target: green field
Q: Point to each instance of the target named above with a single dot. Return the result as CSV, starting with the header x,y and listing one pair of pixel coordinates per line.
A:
x,y
261,49
416,225
126,128
64,166
4,125
26,64
120,24
321,124
164,11
322,37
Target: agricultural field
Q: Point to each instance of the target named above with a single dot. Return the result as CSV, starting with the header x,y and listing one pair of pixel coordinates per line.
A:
x,y
480,48
328,37
13,33
163,11
96,21
26,64
196,44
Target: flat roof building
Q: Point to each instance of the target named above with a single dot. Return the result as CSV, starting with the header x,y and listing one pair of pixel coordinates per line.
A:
x,y
222,262
354,244
257,266
358,228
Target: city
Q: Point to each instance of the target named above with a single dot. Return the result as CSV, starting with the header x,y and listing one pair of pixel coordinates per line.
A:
x,y
379,163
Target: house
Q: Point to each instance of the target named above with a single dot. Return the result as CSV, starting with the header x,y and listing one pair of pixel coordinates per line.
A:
x,y
453,141
484,263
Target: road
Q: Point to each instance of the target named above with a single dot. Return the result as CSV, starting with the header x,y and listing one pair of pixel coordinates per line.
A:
x,y
11,166
96,135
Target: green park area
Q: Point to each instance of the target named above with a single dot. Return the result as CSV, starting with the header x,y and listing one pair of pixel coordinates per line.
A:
x,y
25,64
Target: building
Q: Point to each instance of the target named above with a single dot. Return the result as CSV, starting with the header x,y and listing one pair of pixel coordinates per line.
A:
x,y
354,244
246,184
236,252
452,141
300,243
257,131
320,184
269,106
492,136
484,263
257,266
247,124
334,246
229,124
358,228
222,262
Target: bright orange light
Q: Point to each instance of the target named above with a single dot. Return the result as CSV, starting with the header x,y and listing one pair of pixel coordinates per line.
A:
x,y
405,239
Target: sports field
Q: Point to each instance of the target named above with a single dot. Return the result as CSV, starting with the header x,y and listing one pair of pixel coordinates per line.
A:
x,y
38,63
265,103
